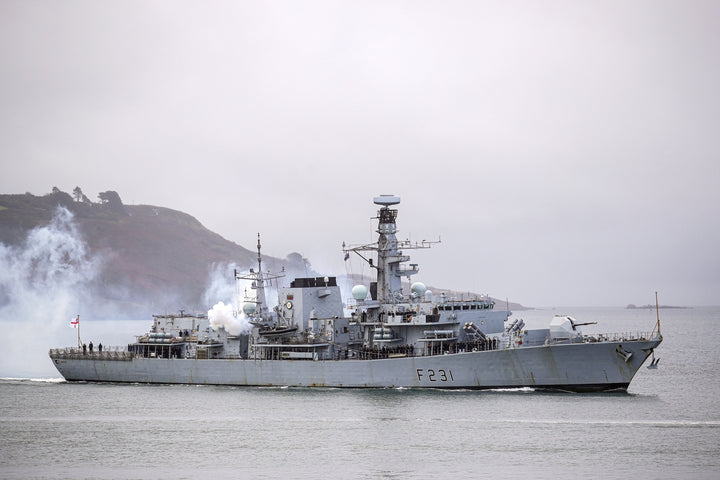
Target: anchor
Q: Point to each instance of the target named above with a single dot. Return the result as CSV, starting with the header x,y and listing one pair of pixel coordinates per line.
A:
x,y
654,362
624,354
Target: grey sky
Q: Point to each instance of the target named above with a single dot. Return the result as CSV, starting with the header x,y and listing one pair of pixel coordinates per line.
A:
x,y
566,152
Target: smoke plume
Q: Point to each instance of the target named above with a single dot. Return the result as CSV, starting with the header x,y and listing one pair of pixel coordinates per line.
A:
x,y
221,315
43,285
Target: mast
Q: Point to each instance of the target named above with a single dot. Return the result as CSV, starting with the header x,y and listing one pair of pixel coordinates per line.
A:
x,y
259,283
261,312
390,258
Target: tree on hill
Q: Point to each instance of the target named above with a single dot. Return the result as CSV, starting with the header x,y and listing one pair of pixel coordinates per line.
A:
x,y
111,200
58,197
80,196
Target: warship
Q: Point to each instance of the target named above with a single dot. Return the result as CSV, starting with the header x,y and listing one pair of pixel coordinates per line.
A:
x,y
391,334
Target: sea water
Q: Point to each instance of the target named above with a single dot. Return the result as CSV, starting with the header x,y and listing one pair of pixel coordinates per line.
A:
x,y
666,426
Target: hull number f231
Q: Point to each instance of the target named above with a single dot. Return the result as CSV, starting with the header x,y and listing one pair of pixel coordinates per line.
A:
x,y
432,375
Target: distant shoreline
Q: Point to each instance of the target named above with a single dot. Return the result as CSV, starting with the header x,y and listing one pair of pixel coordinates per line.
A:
x,y
652,307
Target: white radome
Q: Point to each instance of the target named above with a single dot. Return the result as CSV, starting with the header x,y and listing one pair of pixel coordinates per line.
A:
x,y
418,288
359,292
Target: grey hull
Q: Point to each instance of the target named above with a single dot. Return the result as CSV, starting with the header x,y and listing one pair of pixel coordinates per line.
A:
x,y
573,367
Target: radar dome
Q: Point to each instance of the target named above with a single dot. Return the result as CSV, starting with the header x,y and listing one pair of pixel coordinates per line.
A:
x,y
386,200
418,289
249,308
359,292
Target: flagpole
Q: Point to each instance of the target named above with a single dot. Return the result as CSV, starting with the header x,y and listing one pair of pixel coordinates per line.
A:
x,y
657,312
78,329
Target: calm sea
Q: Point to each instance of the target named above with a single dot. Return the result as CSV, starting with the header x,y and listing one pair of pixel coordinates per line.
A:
x,y
666,426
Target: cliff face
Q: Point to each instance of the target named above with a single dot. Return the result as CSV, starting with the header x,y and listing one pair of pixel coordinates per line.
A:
x,y
150,259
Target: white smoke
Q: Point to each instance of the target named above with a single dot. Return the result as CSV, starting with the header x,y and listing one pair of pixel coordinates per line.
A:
x,y
221,283
43,285
221,315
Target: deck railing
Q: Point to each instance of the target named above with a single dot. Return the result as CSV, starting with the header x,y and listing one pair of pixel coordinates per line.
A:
x,y
107,353
619,337
121,353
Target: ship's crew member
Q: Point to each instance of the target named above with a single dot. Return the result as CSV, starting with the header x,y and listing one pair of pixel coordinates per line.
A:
x,y
100,347
84,349
91,346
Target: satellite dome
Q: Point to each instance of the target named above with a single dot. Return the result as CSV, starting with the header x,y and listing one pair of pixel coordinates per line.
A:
x,y
249,308
359,292
418,289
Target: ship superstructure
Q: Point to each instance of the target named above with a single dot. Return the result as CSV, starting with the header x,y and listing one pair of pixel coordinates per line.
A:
x,y
397,334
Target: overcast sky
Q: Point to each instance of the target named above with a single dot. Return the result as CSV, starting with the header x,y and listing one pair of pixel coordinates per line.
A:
x,y
566,152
